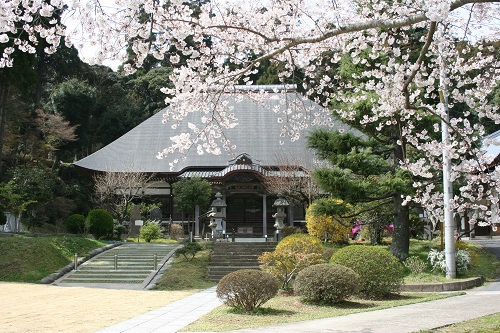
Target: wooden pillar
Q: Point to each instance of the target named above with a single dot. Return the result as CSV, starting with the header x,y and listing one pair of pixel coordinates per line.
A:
x,y
264,215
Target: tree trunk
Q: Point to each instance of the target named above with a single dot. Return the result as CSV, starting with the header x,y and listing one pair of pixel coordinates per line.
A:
x,y
400,246
401,237
4,92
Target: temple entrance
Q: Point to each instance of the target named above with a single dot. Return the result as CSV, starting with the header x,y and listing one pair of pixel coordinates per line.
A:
x,y
245,214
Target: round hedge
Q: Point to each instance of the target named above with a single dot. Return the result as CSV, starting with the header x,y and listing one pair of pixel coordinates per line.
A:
x,y
247,288
99,223
380,272
76,224
300,243
326,283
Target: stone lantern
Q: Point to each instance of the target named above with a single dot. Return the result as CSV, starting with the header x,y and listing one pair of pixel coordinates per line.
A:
x,y
280,215
217,216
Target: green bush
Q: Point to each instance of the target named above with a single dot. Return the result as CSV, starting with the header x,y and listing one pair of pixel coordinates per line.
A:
x,y
150,231
3,218
301,243
247,289
99,223
119,230
380,272
76,224
189,250
326,283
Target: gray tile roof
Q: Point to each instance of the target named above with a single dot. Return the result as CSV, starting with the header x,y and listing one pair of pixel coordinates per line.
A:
x,y
257,134
492,148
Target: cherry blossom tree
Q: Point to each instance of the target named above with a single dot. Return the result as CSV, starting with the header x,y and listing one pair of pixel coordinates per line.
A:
x,y
228,40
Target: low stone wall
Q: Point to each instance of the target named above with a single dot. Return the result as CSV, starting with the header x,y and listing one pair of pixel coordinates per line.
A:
x,y
443,286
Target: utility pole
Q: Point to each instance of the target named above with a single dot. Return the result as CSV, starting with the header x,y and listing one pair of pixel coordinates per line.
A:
x,y
449,223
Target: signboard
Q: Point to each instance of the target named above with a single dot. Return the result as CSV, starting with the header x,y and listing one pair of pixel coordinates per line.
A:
x,y
139,223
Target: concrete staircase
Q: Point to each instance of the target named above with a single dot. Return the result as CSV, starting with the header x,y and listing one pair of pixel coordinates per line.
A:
x,y
229,257
135,267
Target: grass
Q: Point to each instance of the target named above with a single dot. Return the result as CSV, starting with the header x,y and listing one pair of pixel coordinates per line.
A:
x,y
483,263
29,259
283,309
289,309
184,275
486,324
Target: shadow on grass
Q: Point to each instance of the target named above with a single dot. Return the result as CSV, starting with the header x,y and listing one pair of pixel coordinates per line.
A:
x,y
261,312
363,303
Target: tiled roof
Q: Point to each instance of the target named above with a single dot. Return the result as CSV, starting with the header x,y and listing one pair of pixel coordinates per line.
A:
x,y
491,147
257,135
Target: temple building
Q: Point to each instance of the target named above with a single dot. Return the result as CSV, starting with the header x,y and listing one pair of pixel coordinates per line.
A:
x,y
238,175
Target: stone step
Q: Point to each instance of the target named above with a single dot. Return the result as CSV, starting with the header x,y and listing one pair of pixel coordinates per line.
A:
x,y
89,280
230,268
228,257
114,276
135,264
112,267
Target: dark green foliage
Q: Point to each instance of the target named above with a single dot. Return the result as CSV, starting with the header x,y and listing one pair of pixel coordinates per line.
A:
x,y
381,273
365,171
119,230
247,288
326,283
76,224
29,259
99,223
189,193
3,218
189,250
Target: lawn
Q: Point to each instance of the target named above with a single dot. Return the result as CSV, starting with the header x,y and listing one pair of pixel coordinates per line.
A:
x,y
185,275
29,259
283,309
486,324
287,309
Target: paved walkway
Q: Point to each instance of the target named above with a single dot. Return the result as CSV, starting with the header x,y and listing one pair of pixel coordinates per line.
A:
x,y
170,318
410,318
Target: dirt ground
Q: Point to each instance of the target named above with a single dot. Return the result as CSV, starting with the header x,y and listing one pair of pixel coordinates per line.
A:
x,y
45,308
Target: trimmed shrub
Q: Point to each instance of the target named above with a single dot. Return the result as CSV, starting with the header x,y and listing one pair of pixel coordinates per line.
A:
x,y
300,243
150,231
247,289
76,224
176,231
189,250
326,283
380,272
99,223
285,265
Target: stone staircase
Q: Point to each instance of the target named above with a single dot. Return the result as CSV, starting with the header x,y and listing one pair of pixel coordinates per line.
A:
x,y
134,268
228,257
